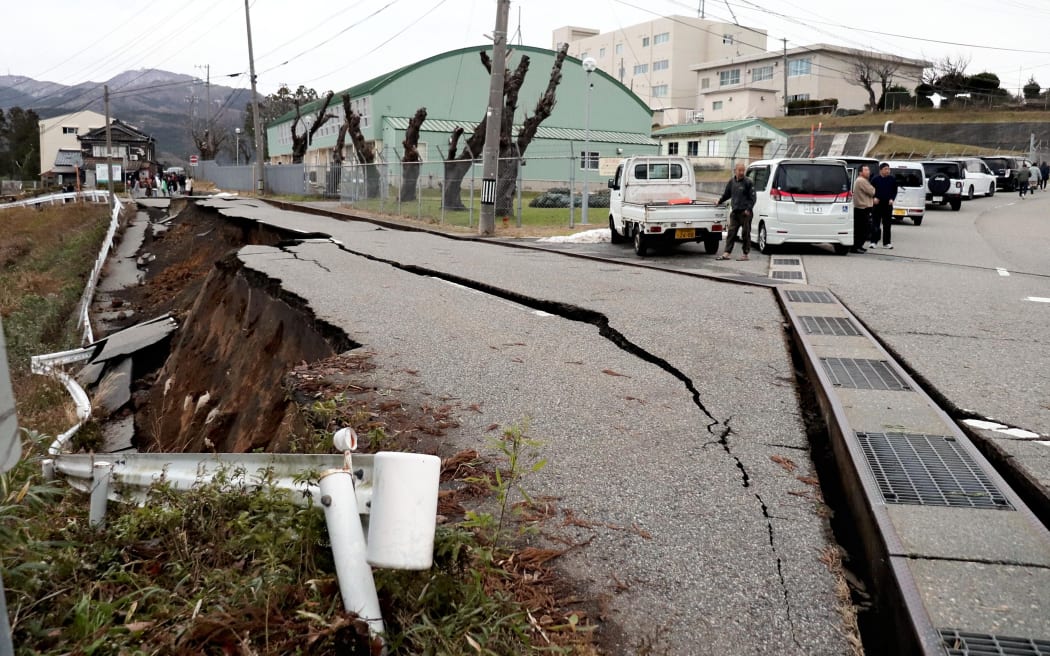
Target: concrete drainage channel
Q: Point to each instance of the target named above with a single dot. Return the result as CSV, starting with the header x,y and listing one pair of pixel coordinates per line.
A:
x,y
960,563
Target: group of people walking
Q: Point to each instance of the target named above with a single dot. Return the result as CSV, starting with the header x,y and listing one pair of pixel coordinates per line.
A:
x,y
873,200
1032,178
169,184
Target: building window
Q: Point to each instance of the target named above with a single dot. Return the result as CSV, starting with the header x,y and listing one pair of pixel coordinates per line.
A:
x,y
798,67
705,83
798,96
727,39
645,42
641,69
672,147
725,78
761,73
661,65
662,37
601,52
619,48
712,148
70,130
659,91
716,105
693,148
589,160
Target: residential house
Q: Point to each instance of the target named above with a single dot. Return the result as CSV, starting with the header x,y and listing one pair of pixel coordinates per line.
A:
x,y
132,151
753,85
722,144
60,133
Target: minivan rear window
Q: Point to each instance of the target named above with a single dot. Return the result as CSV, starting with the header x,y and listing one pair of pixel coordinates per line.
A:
x,y
658,171
907,177
950,169
813,179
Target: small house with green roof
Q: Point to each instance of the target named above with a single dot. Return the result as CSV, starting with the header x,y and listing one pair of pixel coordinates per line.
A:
x,y
454,87
721,144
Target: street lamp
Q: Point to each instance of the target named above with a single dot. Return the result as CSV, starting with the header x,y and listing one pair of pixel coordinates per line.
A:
x,y
237,144
588,65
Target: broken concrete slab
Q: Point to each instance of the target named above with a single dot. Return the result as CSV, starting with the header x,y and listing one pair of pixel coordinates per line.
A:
x,y
114,390
135,338
118,434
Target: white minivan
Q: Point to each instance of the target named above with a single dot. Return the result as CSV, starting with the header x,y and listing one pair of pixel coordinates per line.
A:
x,y
801,201
911,191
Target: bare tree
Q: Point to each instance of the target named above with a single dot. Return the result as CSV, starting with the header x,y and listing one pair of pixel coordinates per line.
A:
x,y
208,143
364,151
511,148
868,70
301,141
410,162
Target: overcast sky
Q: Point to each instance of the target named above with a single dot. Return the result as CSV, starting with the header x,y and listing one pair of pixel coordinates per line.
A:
x,y
334,44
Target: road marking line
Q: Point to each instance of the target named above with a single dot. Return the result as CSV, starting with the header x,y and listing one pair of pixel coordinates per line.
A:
x,y
1002,271
1038,299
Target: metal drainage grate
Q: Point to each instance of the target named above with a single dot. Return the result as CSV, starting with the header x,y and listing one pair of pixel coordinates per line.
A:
x,y
809,297
840,326
788,275
961,643
786,261
863,374
928,470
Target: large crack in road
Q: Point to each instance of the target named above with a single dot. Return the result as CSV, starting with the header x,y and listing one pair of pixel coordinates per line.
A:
x,y
719,429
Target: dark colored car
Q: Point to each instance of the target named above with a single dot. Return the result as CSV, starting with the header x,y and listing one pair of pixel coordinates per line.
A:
x,y
1005,170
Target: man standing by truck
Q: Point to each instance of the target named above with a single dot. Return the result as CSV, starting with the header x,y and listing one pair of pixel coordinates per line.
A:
x,y
742,192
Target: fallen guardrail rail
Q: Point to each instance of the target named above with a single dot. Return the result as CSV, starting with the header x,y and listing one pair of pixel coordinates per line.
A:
x,y
92,195
83,319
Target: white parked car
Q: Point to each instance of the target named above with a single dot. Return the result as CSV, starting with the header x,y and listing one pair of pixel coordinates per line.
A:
x,y
910,202
801,201
979,177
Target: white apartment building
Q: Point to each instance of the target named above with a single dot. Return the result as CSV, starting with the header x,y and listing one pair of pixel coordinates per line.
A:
x,y
752,86
60,133
656,59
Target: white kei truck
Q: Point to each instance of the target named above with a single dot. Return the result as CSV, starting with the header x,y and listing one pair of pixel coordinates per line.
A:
x,y
653,202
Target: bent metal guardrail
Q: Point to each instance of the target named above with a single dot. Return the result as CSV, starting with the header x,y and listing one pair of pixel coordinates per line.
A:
x,y
93,195
84,320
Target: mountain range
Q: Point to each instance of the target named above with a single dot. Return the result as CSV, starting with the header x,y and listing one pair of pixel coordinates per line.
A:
x,y
160,103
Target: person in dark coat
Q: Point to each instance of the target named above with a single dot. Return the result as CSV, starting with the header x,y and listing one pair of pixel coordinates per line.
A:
x,y
1044,168
742,192
882,212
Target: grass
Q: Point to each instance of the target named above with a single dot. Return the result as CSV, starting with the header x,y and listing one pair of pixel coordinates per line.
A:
x,y
46,255
909,116
892,146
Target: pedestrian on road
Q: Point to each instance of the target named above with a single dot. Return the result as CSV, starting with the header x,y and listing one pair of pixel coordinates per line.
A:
x,y
863,200
1044,170
189,186
1024,174
742,192
1037,176
882,210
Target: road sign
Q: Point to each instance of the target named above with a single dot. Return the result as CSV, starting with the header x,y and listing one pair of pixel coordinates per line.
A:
x,y
193,160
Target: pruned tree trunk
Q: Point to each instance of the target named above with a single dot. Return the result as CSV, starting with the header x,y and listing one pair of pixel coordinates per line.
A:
x,y
335,174
510,149
300,142
410,162
366,154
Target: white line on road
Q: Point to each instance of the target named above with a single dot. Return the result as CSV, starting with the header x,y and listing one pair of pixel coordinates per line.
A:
x,y
1038,299
1002,271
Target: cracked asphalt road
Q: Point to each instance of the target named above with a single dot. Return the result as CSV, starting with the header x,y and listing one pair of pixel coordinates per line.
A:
x,y
661,400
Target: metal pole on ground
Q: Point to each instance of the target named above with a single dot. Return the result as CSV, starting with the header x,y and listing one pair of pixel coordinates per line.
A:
x,y
572,187
521,180
109,153
589,64
256,119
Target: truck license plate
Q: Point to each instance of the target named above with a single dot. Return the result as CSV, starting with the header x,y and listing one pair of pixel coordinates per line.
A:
x,y
685,233
898,212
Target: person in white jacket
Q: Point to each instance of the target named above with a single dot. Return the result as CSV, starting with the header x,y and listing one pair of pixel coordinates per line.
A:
x,y
1036,177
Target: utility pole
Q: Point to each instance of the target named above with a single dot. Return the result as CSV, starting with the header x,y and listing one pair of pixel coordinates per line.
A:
x,y
256,119
784,65
207,112
490,157
109,151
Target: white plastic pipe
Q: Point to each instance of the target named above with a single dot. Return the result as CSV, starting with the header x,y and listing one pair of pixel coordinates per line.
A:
x,y
404,510
356,584
99,493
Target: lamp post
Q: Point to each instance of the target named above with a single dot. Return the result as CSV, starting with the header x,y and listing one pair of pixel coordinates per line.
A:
x,y
237,144
588,65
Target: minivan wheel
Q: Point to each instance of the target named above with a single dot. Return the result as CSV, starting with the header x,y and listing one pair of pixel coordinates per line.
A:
x,y
969,196
841,249
991,190
763,242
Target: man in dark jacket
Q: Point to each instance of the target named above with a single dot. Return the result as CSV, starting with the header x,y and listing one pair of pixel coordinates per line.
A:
x,y
1044,169
742,192
882,212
